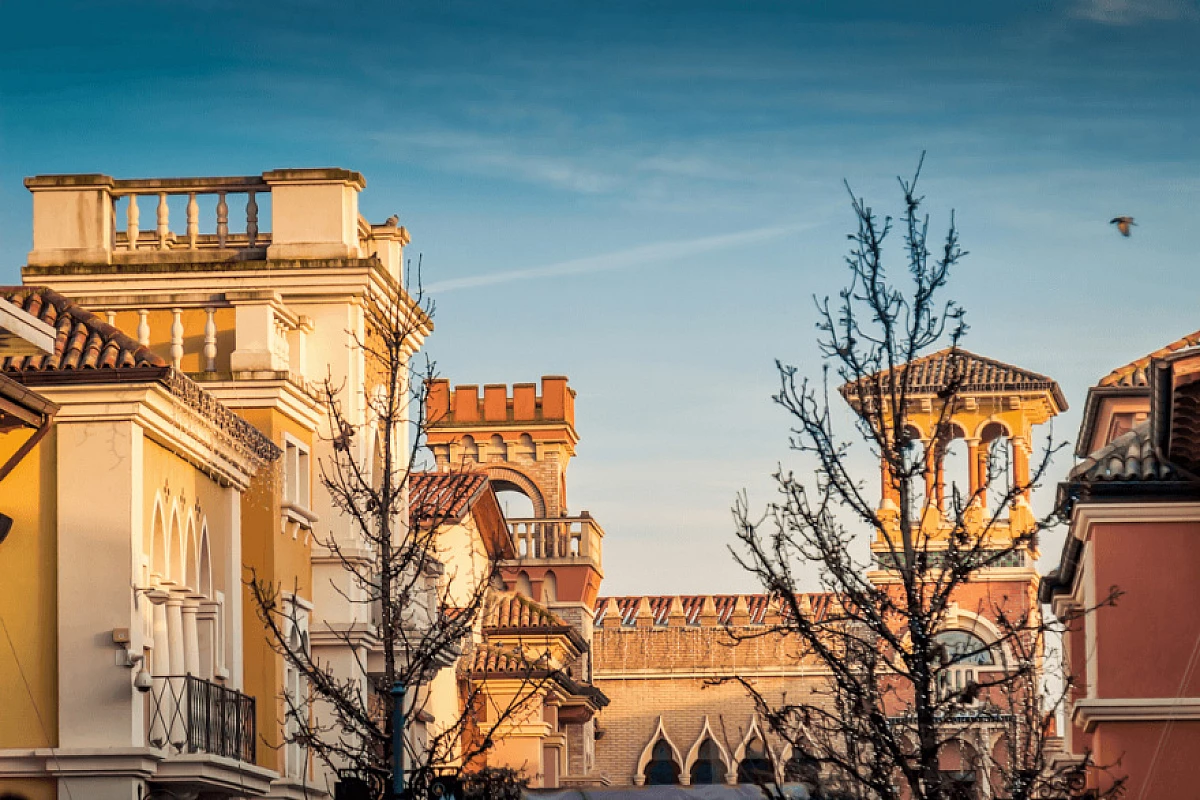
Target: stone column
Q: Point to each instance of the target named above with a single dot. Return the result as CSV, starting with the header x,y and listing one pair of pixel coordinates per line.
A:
x,y
175,633
162,649
191,636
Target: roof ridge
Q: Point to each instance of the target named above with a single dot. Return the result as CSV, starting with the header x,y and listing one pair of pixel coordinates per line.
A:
x,y
1127,374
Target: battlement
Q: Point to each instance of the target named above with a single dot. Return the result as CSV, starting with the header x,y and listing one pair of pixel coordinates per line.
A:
x,y
463,407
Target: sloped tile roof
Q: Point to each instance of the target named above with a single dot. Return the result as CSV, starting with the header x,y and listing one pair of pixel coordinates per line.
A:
x,y
83,341
931,374
88,348
1130,458
443,496
1136,373
757,605
510,610
492,659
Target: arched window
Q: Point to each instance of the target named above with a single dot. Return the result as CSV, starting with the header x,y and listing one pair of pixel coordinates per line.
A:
x,y
799,768
497,449
662,770
524,586
914,460
549,587
965,654
708,767
953,470
995,471
755,766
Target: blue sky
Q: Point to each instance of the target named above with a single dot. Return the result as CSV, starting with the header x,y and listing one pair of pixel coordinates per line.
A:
x,y
645,196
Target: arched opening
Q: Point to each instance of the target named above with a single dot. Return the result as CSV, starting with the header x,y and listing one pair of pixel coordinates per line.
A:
x,y
513,502
953,471
192,572
802,769
707,768
755,766
915,465
497,449
205,565
965,654
158,546
549,587
661,770
175,553
995,468
958,767
524,586
526,449
470,450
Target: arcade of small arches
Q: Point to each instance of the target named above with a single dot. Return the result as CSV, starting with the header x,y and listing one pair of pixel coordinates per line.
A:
x,y
498,459
991,458
709,761
181,609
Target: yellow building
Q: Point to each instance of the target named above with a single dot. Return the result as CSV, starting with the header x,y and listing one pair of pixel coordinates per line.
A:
x,y
126,669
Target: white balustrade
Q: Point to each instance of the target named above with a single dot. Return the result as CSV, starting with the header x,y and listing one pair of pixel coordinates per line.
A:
x,y
176,337
130,240
556,538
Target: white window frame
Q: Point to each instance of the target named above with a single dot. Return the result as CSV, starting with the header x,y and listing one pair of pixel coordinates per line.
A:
x,y
296,500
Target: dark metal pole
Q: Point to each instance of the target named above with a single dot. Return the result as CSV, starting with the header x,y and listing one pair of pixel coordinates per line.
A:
x,y
397,740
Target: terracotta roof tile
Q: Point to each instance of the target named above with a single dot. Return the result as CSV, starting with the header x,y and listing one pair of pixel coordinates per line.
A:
x,y
976,373
1136,373
443,496
83,341
758,606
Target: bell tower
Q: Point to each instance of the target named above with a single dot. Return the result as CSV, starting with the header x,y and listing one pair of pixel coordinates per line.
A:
x,y
977,449
524,441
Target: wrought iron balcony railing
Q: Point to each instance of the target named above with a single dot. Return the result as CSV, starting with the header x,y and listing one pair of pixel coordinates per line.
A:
x,y
192,715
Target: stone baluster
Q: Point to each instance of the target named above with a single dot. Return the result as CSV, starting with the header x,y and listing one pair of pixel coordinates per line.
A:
x,y
210,340
110,317
193,220
143,328
251,219
176,337
222,220
112,244
164,221
131,219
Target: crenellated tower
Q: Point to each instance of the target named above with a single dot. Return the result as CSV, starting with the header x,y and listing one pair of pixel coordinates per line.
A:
x,y
524,442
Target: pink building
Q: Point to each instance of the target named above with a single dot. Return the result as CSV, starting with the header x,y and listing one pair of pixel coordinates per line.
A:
x,y
1134,506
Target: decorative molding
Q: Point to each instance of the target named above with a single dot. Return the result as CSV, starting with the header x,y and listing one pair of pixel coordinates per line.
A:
x,y
694,753
660,732
1089,712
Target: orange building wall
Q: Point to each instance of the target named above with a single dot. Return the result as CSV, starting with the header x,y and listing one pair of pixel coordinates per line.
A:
x,y
1132,748
1146,640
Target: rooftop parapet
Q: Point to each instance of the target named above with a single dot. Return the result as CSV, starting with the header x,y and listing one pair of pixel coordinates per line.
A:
x,y
465,408
98,219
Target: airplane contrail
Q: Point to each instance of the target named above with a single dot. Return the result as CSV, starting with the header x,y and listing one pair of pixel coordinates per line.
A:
x,y
656,252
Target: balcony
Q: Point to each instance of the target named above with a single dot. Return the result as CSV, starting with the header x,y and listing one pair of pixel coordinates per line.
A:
x,y
558,539
191,715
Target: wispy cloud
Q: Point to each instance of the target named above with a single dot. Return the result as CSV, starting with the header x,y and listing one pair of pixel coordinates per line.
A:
x,y
647,254
1133,12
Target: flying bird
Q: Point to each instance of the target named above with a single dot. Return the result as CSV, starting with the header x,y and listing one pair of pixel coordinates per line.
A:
x,y
1123,224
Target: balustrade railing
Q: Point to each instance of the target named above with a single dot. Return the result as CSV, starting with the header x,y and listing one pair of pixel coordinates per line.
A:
x,y
160,237
191,715
561,537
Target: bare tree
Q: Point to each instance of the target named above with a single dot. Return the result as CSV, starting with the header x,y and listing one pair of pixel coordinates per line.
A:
x,y
903,713
425,600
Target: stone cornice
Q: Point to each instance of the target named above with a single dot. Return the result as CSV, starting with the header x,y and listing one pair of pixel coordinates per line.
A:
x,y
282,395
1089,712
165,419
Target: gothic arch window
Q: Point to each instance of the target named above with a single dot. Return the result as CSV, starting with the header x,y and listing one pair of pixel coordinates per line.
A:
x,y
175,549
755,765
707,761
662,769
659,763
708,767
803,769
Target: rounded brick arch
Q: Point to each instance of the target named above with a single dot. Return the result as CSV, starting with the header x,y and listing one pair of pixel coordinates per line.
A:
x,y
505,474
